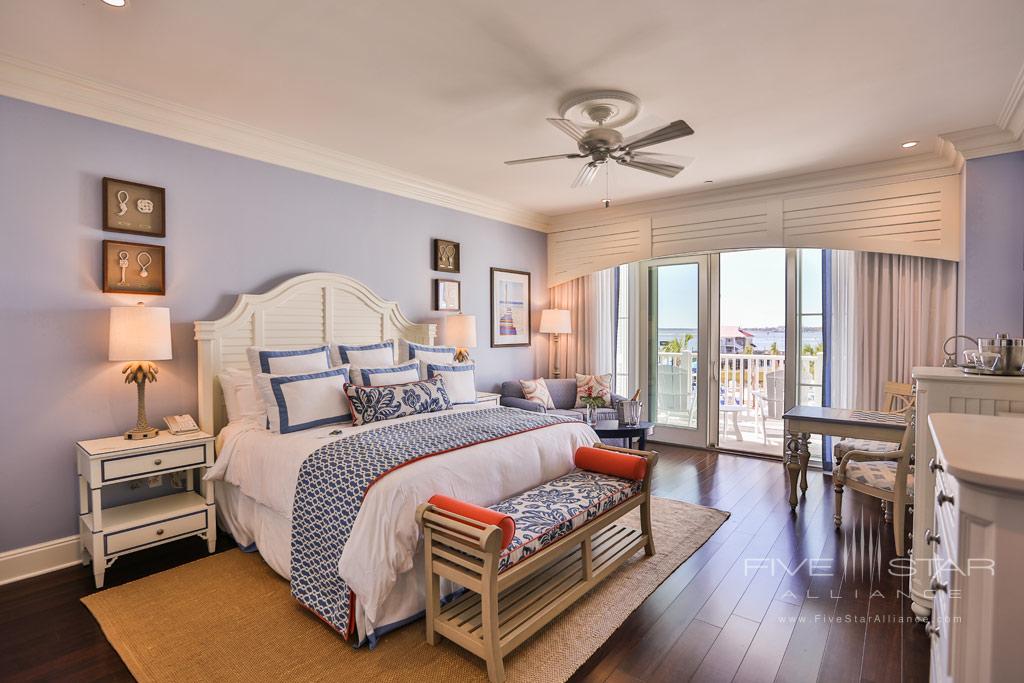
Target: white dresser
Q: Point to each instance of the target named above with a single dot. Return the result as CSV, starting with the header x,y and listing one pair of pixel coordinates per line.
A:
x,y
947,390
978,544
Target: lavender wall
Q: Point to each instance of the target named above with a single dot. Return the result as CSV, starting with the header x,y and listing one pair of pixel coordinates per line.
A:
x,y
992,269
235,225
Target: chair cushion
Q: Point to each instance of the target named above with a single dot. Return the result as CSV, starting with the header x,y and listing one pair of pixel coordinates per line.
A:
x,y
844,446
547,513
878,474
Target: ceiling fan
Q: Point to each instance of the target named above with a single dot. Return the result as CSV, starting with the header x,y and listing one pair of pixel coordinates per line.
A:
x,y
603,143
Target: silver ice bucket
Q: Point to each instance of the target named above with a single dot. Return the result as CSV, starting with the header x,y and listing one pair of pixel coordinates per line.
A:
x,y
629,412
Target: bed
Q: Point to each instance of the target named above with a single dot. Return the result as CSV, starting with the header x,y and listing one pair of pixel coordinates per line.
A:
x,y
257,472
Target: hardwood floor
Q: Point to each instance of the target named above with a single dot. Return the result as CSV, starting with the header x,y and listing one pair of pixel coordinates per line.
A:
x,y
747,606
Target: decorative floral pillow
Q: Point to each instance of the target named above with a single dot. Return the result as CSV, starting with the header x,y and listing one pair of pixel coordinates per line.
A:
x,y
536,390
596,387
373,404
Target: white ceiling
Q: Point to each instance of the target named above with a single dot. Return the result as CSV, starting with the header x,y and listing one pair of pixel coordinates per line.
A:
x,y
449,89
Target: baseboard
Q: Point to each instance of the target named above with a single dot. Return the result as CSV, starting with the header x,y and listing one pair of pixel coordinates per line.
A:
x,y
33,560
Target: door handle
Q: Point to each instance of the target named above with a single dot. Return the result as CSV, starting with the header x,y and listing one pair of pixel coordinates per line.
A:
x,y
714,370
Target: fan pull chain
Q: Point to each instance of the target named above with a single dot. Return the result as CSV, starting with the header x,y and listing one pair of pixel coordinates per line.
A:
x,y
607,201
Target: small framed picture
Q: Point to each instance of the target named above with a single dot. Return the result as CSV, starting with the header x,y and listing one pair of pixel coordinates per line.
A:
x,y
510,308
447,295
132,268
446,256
134,208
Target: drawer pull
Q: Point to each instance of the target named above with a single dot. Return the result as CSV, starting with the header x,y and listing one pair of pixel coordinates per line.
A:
x,y
932,630
931,538
934,466
943,498
159,532
158,462
938,585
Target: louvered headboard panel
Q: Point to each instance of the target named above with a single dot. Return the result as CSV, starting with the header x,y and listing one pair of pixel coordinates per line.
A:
x,y
317,308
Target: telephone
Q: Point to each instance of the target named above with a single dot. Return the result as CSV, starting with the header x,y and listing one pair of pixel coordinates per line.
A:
x,y
181,424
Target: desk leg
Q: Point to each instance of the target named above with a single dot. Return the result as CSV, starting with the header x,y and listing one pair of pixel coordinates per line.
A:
x,y
805,459
792,462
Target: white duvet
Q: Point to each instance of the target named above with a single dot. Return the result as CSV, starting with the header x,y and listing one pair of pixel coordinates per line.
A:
x,y
378,560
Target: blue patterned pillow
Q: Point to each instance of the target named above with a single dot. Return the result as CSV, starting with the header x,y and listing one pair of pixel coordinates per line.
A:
x,y
373,404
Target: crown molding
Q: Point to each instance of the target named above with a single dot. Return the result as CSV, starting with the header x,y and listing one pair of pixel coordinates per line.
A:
x,y
1004,136
69,92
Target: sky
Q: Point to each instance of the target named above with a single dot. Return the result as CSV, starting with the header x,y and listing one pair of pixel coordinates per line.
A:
x,y
753,289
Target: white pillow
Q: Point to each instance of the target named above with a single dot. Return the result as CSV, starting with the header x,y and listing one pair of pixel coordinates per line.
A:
x,y
408,350
459,380
240,396
392,374
297,402
288,361
379,355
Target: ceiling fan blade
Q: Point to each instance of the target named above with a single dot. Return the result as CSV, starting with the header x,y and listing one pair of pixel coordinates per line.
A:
x,y
568,127
667,170
547,158
586,175
655,158
676,129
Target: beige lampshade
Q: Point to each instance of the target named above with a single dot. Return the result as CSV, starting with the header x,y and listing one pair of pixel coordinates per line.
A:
x,y
140,333
555,321
460,331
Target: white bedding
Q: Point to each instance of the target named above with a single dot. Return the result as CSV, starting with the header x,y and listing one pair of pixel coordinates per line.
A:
x,y
378,560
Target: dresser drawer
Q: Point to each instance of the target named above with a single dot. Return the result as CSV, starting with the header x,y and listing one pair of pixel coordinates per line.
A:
x,y
130,466
119,541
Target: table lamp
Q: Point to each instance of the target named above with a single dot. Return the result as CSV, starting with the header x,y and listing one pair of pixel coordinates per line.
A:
x,y
556,321
140,336
460,332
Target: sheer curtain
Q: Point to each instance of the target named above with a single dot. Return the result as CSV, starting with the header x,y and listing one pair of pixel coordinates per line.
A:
x,y
590,348
890,313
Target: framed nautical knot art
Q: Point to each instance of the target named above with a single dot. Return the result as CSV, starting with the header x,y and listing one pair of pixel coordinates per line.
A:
x,y
510,308
447,295
446,256
134,208
132,268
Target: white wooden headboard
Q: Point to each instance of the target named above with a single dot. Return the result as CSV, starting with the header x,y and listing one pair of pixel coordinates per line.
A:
x,y
316,308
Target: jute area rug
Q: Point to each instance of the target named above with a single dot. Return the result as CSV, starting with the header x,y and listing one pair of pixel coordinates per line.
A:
x,y
229,617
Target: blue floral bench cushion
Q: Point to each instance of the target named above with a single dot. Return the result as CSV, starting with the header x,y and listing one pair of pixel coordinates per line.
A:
x,y
553,510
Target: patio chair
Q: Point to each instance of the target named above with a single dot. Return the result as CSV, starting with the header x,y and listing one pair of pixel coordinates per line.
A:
x,y
886,476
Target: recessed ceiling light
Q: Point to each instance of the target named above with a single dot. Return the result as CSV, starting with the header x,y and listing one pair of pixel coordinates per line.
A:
x,y
115,3
908,144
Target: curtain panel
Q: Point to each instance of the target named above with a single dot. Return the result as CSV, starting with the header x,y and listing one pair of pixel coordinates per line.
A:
x,y
590,348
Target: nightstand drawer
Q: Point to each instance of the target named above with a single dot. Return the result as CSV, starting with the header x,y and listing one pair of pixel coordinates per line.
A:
x,y
152,463
120,541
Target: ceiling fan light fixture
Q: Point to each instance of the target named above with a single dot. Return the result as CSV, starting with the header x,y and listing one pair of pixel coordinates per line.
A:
x,y
115,3
909,144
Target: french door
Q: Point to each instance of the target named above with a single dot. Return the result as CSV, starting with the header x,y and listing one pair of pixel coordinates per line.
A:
x,y
676,346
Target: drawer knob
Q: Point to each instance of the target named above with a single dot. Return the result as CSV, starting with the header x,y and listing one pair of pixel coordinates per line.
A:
x,y
943,498
159,532
931,538
939,586
158,462
934,466
932,630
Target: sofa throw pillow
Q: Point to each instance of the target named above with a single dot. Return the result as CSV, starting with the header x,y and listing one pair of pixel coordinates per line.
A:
x,y
298,402
373,404
594,386
459,380
536,391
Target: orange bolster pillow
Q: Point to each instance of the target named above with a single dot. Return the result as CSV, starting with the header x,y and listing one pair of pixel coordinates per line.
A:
x,y
624,465
484,516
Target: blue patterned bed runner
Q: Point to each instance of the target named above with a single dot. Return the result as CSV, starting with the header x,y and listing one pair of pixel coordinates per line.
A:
x,y
334,479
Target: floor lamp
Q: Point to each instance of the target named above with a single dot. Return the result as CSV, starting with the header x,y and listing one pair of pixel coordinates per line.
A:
x,y
555,321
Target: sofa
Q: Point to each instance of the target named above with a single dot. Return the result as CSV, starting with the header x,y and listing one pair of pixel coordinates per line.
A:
x,y
563,395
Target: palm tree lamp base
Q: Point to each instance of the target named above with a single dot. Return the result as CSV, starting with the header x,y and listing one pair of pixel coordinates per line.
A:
x,y
140,372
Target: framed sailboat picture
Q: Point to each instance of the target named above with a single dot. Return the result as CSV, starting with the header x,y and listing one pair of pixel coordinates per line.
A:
x,y
510,308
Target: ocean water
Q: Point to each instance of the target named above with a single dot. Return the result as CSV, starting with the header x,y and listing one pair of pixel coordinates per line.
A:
x,y
762,339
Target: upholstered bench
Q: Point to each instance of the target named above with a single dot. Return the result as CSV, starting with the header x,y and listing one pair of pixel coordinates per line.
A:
x,y
528,558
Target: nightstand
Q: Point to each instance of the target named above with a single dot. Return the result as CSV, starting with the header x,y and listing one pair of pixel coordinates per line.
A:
x,y
107,533
488,399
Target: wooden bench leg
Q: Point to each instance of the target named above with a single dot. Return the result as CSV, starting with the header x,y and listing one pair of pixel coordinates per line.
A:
x,y
645,525
433,587
489,614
